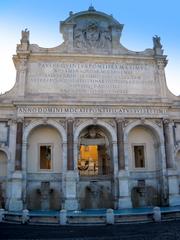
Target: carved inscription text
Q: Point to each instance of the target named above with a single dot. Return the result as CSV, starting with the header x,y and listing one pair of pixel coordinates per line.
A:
x,y
84,110
90,80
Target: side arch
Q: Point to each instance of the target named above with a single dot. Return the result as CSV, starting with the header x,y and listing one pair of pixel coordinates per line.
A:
x,y
156,166
50,122
60,131
4,176
157,132
155,129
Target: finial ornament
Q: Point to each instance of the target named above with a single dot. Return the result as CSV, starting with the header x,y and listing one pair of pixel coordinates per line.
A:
x,y
91,8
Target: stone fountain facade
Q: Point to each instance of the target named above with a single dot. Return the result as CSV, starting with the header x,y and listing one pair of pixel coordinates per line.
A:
x,y
90,91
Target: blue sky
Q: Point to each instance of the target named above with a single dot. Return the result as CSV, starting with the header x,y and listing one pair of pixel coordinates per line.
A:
x,y
142,20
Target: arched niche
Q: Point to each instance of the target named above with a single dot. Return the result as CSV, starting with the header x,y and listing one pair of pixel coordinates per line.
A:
x,y
145,161
44,168
3,178
96,167
143,149
95,153
44,152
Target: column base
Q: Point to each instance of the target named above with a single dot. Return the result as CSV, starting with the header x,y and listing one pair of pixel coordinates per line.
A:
x,y
124,200
71,178
15,201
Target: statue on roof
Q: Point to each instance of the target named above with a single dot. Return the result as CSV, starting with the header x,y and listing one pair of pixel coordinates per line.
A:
x,y
157,45
157,42
25,36
24,41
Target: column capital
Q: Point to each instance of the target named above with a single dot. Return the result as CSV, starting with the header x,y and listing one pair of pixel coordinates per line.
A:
x,y
123,121
70,119
166,121
120,120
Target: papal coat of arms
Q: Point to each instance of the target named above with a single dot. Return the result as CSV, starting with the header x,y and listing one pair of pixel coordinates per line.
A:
x,y
92,36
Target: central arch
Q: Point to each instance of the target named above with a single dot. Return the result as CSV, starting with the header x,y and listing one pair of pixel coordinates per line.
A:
x,y
96,163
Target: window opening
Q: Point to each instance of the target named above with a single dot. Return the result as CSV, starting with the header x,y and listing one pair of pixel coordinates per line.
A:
x,y
45,157
93,160
139,156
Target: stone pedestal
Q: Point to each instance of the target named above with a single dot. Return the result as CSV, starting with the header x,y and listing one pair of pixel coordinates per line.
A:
x,y
110,216
71,202
2,212
63,217
174,197
157,214
124,194
15,203
25,216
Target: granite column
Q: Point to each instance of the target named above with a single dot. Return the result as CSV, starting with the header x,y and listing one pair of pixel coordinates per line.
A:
x,y
120,144
70,159
167,142
18,157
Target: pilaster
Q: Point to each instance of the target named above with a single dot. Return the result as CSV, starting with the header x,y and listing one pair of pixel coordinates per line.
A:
x,y
70,179
124,192
161,63
16,203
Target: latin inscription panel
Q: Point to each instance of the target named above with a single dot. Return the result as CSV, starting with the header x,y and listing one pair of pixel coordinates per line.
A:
x,y
90,80
90,110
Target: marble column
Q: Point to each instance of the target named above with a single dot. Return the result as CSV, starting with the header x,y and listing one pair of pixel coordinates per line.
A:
x,y
70,159
18,157
168,144
120,144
